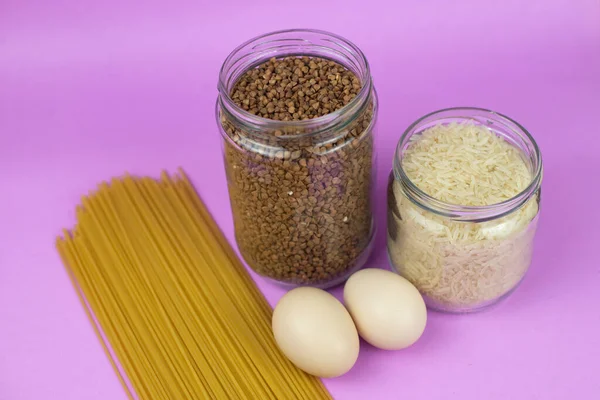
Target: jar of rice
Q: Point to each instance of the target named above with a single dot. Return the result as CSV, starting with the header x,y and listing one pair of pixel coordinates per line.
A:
x,y
463,205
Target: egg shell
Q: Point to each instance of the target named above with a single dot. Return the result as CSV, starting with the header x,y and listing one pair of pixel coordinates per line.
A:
x,y
388,311
314,330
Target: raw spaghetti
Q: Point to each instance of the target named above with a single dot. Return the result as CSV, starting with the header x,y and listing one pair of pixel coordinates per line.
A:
x,y
177,307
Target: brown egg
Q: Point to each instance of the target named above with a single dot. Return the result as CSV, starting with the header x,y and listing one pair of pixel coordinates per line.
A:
x,y
314,330
389,312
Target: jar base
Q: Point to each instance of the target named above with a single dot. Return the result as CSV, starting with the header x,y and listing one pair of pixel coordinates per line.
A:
x,y
359,263
433,305
437,306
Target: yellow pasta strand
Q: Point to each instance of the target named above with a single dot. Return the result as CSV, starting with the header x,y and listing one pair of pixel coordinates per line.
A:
x,y
176,305
67,259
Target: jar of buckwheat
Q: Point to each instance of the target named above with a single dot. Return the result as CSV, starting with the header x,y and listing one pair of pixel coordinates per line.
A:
x,y
297,111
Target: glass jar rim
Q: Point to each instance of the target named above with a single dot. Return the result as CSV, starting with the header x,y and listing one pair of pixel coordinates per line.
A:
x,y
312,126
463,212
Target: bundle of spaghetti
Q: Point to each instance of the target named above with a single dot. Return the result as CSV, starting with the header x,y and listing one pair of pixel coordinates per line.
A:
x,y
178,308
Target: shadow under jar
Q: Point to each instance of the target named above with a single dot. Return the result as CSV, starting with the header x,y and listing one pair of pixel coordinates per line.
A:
x,y
464,257
300,190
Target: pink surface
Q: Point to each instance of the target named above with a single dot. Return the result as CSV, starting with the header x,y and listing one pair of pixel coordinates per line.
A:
x,y
91,89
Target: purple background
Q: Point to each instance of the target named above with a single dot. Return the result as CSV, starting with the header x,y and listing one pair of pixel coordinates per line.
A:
x,y
89,89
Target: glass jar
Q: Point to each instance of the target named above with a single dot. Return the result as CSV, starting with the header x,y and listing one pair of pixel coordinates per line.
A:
x,y
300,191
463,258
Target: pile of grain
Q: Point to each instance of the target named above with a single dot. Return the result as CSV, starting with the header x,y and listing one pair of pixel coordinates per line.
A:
x,y
462,265
295,88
